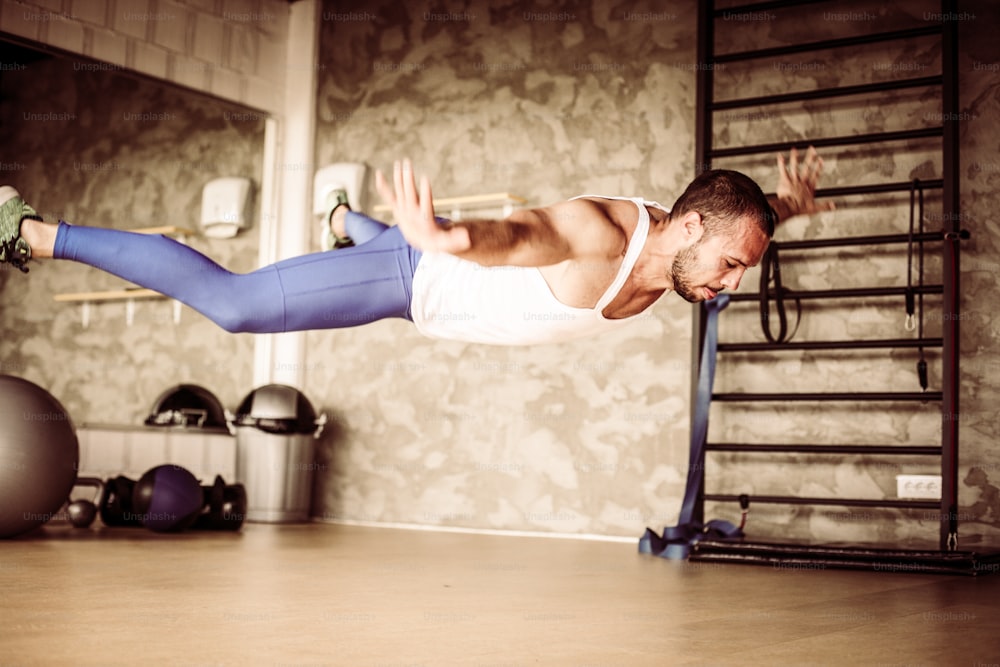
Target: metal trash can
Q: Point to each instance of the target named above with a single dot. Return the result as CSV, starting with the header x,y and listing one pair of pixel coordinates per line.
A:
x,y
276,430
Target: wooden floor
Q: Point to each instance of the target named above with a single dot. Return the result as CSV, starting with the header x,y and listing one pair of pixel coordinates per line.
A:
x,y
339,595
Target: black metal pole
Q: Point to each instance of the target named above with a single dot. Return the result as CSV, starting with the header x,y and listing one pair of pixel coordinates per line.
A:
x,y
704,62
859,396
831,345
951,277
702,147
822,45
848,293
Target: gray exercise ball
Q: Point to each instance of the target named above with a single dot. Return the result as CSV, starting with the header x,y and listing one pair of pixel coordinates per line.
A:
x,y
39,456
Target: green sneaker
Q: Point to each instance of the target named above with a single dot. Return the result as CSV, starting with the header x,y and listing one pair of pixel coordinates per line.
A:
x,y
14,249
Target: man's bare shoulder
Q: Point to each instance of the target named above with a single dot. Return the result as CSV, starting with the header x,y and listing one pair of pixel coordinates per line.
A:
x,y
595,226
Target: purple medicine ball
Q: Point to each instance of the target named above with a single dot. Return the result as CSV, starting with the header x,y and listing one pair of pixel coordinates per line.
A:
x,y
167,498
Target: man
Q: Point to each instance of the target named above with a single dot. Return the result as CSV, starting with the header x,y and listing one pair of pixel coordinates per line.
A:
x,y
542,275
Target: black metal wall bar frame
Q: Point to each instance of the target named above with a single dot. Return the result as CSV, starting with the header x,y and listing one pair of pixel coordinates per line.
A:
x,y
949,238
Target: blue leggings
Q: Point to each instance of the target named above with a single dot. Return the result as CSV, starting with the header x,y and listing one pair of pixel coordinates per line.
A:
x,y
327,290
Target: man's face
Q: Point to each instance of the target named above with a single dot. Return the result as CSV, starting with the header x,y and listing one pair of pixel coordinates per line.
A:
x,y
715,263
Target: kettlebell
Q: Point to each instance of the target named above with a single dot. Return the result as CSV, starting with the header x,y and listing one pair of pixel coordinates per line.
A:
x,y
82,512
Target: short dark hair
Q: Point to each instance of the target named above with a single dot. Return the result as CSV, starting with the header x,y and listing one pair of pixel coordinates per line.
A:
x,y
722,197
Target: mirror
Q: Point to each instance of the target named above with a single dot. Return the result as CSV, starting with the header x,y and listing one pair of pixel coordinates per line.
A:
x,y
94,144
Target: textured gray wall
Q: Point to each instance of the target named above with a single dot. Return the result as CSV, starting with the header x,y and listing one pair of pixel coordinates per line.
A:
x,y
547,104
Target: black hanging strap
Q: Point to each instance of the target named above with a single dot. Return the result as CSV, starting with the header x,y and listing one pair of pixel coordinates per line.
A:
x,y
914,301
770,272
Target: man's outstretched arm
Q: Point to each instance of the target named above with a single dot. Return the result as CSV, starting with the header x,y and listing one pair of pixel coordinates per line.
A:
x,y
528,237
796,191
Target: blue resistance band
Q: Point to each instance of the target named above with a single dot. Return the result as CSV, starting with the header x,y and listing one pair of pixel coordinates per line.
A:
x,y
677,541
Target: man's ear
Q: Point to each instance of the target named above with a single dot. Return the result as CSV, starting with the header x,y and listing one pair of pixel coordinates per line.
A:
x,y
692,226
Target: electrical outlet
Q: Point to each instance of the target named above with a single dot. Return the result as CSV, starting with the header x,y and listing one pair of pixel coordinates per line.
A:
x,y
919,486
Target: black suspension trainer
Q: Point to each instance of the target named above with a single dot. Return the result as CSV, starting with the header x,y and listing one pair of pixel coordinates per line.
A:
x,y
772,288
915,298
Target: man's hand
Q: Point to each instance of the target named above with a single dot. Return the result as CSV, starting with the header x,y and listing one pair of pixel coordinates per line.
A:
x,y
414,212
796,192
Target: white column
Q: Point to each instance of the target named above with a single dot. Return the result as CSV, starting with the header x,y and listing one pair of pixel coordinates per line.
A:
x,y
291,140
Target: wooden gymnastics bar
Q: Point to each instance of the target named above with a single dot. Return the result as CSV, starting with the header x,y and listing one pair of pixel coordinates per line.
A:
x,y
494,199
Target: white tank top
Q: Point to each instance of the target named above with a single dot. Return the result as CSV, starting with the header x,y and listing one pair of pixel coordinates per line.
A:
x,y
455,299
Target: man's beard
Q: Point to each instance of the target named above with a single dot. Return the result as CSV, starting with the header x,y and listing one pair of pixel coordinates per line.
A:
x,y
684,265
